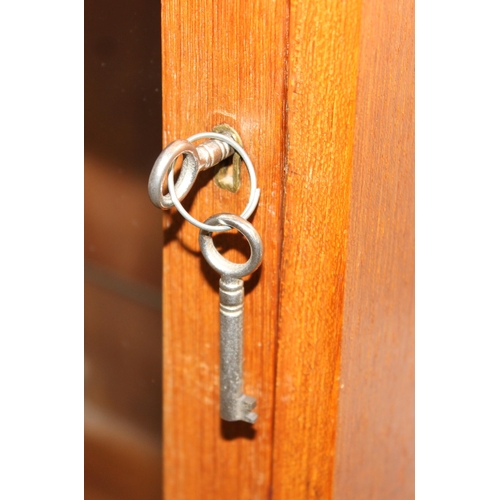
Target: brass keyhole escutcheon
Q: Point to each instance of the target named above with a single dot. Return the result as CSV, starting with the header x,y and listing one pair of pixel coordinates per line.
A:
x,y
228,176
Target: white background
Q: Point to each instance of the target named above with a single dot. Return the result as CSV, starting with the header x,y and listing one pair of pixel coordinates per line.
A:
x,y
458,250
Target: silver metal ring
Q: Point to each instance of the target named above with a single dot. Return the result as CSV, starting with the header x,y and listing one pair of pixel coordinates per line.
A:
x,y
164,164
220,263
254,191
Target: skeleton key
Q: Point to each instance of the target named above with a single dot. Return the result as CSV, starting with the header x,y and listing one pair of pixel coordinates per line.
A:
x,y
234,404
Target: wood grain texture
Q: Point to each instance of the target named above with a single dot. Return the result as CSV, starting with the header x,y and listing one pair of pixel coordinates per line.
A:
x,y
375,444
324,42
223,62
292,95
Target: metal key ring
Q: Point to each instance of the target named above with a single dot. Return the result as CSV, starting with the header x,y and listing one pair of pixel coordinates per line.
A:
x,y
254,191
164,164
220,263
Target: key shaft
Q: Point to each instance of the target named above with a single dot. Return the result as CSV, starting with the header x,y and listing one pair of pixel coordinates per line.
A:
x,y
234,405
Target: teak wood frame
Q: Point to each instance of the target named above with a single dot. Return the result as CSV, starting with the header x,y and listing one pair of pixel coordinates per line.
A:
x,y
322,96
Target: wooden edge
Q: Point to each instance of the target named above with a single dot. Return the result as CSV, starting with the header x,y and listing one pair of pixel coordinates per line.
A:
x,y
323,65
375,443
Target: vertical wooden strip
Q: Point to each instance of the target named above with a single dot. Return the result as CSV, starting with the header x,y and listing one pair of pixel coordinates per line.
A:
x,y
375,444
223,62
324,42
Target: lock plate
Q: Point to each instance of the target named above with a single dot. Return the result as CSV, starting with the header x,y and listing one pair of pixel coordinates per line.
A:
x,y
228,176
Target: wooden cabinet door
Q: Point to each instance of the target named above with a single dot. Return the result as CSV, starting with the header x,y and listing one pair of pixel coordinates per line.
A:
x,y
322,96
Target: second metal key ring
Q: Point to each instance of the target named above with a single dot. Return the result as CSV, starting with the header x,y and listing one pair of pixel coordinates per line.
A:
x,y
254,191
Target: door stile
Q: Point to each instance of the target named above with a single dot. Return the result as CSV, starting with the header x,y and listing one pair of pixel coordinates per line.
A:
x,y
223,62
321,101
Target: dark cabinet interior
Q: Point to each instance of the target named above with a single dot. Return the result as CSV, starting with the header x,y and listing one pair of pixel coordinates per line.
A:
x,y
122,251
